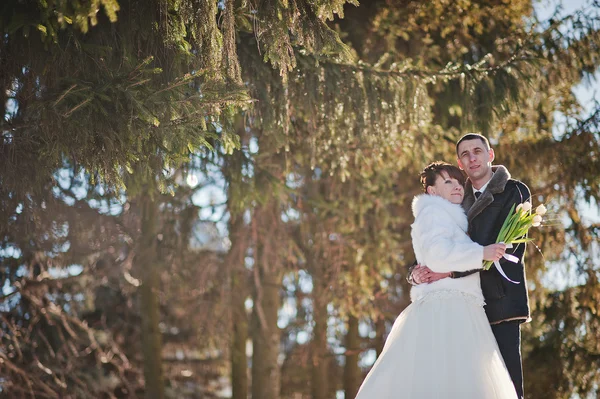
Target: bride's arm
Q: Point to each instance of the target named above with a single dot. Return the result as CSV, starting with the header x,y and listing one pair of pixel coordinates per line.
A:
x,y
443,250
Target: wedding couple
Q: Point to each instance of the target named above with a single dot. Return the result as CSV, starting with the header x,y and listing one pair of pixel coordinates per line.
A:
x,y
442,346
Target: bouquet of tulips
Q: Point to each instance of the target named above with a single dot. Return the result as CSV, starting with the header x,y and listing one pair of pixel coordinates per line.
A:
x,y
516,226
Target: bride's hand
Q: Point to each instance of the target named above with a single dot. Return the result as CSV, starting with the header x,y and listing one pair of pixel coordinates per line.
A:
x,y
423,274
494,252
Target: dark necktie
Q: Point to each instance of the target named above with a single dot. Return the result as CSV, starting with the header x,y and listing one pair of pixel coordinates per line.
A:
x,y
477,194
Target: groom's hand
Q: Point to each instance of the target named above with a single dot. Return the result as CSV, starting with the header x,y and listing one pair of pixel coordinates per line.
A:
x,y
422,274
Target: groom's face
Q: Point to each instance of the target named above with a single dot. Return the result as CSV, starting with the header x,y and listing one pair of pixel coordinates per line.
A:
x,y
475,158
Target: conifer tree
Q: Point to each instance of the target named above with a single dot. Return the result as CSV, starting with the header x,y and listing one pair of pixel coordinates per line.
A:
x,y
126,90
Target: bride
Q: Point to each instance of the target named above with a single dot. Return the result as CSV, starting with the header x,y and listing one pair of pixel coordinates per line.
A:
x,y
442,346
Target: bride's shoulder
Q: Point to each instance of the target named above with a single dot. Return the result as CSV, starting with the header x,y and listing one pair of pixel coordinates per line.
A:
x,y
430,203
428,209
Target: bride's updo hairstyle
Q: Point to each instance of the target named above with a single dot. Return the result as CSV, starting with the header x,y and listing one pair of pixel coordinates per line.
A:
x,y
435,169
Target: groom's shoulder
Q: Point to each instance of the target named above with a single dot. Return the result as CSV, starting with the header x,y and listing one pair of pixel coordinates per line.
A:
x,y
517,185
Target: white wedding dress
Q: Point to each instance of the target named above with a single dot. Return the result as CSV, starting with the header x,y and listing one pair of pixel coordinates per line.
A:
x,y
441,346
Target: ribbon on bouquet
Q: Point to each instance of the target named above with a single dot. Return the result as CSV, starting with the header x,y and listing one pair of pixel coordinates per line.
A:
x,y
510,258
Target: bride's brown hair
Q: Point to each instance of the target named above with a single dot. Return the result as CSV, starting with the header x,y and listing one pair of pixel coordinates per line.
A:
x,y
435,169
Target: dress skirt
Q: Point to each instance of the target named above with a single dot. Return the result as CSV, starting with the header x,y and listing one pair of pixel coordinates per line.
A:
x,y
440,347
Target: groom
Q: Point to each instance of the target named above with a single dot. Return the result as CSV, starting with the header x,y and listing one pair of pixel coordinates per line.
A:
x,y
489,194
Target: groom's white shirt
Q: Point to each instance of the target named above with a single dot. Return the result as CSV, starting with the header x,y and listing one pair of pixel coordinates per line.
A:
x,y
482,189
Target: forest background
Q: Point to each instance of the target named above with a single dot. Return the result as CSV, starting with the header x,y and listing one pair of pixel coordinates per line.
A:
x,y
205,199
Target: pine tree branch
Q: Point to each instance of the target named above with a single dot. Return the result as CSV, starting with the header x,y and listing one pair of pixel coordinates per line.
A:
x,y
451,71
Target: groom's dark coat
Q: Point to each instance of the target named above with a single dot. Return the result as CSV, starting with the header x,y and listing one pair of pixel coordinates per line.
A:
x,y
504,300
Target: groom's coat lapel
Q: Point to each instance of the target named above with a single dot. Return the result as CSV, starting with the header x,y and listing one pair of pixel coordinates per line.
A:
x,y
485,199
475,206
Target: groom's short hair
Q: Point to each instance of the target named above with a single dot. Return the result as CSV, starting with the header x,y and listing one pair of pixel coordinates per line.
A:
x,y
473,136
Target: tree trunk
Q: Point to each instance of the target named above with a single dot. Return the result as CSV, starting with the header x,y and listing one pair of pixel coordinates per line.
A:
x,y
269,242
320,369
239,362
148,265
352,375
265,339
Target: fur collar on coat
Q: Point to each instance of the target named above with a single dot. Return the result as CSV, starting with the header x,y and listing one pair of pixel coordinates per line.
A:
x,y
497,185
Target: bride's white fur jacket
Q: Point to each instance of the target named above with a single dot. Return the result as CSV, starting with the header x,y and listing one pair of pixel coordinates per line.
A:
x,y
440,241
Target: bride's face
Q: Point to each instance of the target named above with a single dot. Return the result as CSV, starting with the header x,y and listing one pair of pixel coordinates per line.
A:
x,y
447,188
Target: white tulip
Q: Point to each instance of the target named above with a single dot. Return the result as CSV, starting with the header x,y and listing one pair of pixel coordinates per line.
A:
x,y
537,220
519,207
541,210
526,206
